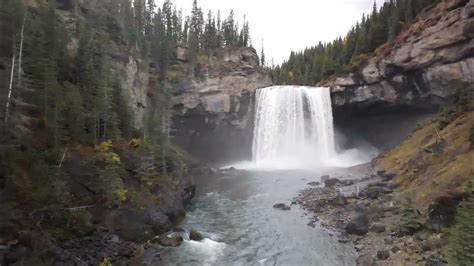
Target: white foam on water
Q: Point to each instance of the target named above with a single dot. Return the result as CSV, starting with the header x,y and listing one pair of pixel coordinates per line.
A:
x,y
207,248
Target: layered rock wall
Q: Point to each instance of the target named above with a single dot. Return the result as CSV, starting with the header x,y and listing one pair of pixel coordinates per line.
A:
x,y
410,78
425,66
213,116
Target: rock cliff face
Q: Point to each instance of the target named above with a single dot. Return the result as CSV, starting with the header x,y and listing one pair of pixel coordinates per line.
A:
x,y
213,114
422,69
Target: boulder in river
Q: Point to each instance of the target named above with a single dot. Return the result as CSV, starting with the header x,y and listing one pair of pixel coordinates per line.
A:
x,y
314,183
195,235
324,178
359,225
282,206
167,241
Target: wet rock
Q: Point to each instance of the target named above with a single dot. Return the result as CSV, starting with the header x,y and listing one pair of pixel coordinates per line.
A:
x,y
383,254
314,183
195,235
92,249
331,182
324,178
282,206
378,228
395,249
137,224
188,193
311,224
376,192
364,260
359,225
347,182
339,200
167,241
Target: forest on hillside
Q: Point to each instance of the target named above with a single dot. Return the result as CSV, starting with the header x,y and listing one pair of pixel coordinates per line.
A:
x,y
75,94
61,86
383,25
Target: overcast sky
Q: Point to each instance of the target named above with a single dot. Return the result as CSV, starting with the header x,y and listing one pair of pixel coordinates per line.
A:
x,y
287,26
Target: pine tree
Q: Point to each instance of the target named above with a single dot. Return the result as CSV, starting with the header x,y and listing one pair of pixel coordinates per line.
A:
x,y
195,31
461,246
262,57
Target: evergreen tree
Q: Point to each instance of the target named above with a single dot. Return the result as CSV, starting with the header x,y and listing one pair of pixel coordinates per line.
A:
x,y
461,246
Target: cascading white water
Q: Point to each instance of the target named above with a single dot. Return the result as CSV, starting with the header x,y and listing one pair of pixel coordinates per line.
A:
x,y
293,127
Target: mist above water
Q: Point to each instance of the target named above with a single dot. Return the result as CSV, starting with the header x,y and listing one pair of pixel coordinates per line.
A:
x,y
294,130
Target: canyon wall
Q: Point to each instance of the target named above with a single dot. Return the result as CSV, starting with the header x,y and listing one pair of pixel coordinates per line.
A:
x,y
213,109
413,76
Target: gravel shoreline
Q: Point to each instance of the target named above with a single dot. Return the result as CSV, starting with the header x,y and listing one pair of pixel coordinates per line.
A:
x,y
365,209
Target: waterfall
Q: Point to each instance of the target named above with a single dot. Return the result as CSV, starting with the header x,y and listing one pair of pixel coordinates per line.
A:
x,y
293,126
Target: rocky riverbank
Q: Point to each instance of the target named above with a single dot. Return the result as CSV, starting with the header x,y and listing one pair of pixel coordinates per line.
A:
x,y
366,210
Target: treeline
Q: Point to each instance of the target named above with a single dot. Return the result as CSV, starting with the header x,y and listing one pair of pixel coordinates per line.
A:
x,y
166,29
383,25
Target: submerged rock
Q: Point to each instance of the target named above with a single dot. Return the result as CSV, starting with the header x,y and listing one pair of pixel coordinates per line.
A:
x,y
314,183
195,235
167,241
359,225
282,206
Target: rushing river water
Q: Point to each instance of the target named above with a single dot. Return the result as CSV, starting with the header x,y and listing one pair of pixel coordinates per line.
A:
x,y
234,212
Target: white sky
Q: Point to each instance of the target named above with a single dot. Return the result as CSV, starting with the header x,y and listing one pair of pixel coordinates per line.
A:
x,y
287,26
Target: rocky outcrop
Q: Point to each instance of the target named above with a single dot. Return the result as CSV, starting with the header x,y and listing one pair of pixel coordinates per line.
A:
x,y
213,112
425,66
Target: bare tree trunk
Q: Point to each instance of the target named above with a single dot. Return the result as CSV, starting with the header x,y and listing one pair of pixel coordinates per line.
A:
x,y
7,111
62,159
20,57
46,104
163,152
105,112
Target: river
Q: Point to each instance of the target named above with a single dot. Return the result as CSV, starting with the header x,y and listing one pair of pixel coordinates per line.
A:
x,y
234,212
